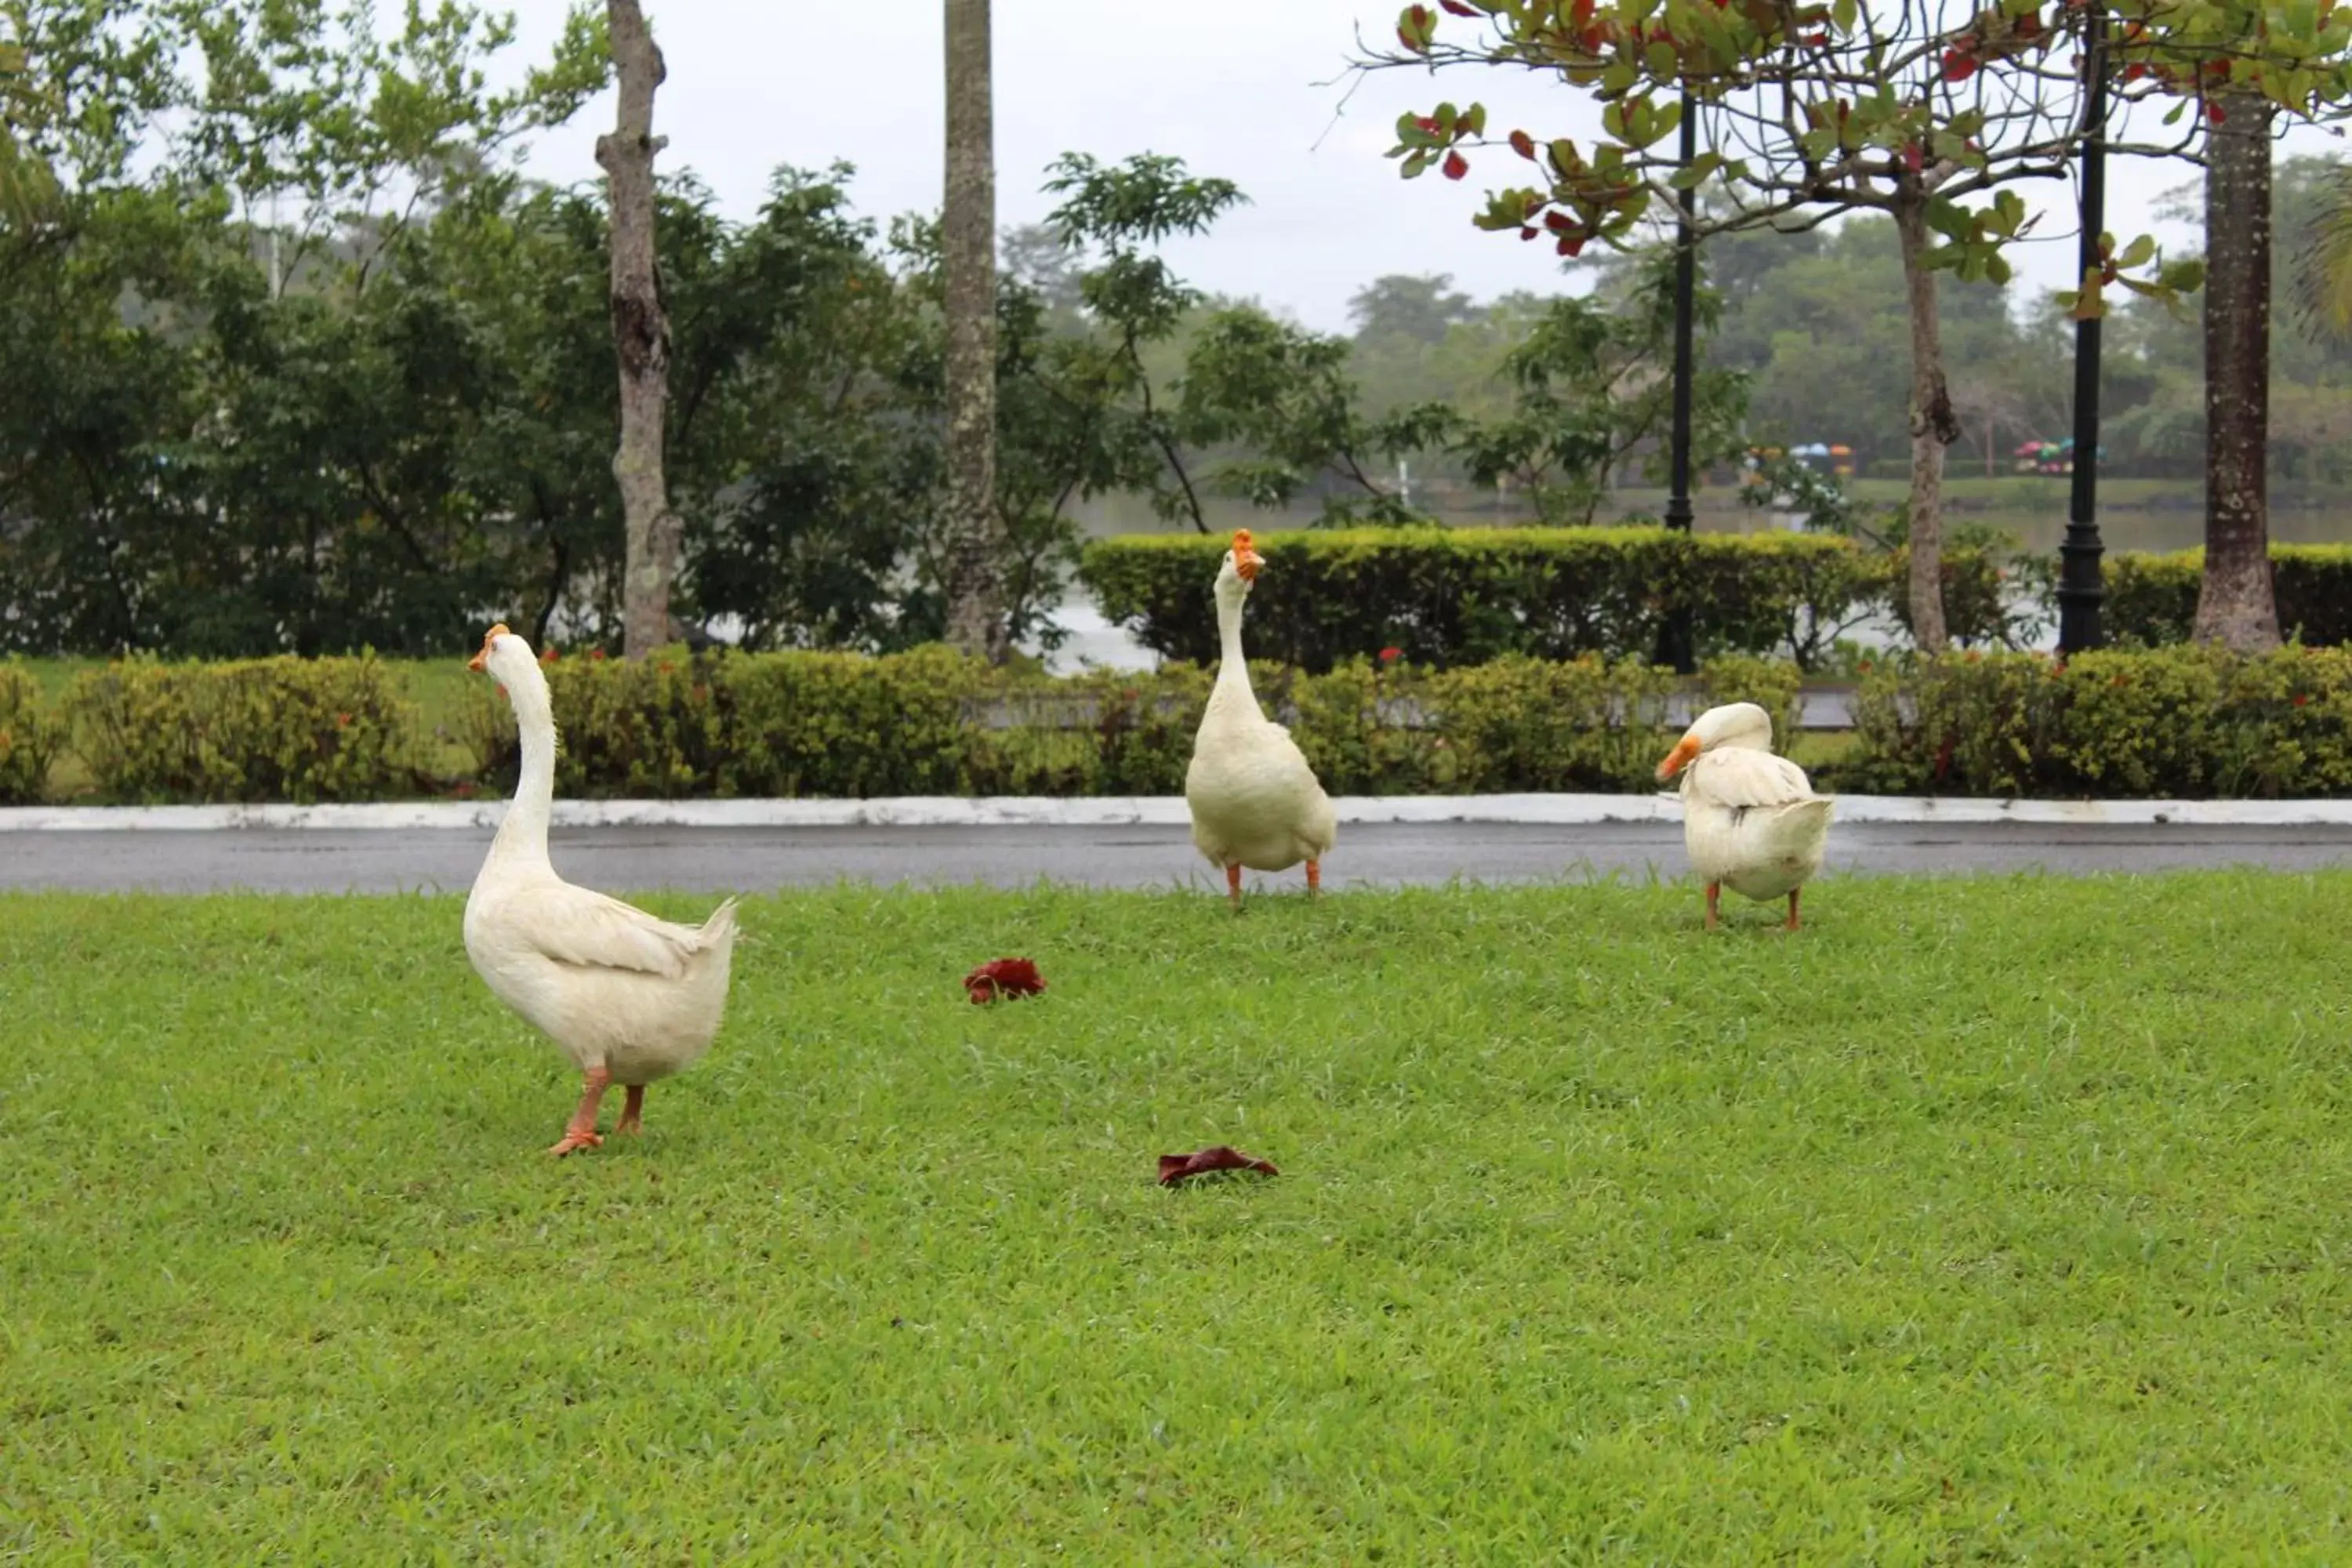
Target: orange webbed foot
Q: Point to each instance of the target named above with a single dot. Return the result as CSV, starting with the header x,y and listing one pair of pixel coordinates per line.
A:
x,y
633,1113
581,1131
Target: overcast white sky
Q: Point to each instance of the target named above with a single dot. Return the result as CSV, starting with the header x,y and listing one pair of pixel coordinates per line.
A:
x,y
1254,93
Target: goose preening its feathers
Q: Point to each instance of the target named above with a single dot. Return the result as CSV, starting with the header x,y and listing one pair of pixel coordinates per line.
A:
x,y
629,998
1751,821
1254,801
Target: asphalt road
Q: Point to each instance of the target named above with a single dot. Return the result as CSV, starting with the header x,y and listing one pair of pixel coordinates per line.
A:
x,y
752,859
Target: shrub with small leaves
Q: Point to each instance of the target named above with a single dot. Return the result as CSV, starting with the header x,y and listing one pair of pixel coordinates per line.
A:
x,y
1511,725
2177,723
30,733
724,724
2189,722
279,729
932,722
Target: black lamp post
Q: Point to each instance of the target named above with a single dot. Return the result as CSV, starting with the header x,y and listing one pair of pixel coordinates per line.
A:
x,y
2080,589
1675,638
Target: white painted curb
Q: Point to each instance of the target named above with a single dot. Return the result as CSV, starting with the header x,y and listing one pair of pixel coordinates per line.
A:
x,y
1154,811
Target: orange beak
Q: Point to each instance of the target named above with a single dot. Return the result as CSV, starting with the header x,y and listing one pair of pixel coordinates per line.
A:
x,y
488,638
1679,758
1246,559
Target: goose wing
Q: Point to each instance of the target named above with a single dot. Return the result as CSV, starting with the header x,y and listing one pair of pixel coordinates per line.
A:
x,y
587,930
1742,776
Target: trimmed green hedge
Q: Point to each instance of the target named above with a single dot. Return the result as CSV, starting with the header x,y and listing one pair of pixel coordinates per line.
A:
x,y
2186,723
1449,597
723,723
929,723
281,728
2152,599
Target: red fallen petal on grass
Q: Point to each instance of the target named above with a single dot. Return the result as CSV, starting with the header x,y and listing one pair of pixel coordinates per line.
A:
x,y
1003,977
1174,1168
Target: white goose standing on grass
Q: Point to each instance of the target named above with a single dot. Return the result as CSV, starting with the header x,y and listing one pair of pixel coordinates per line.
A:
x,y
1254,800
629,998
1751,821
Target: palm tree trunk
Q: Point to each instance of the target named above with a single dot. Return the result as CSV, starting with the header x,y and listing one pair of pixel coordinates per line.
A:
x,y
2235,606
1934,427
640,336
973,546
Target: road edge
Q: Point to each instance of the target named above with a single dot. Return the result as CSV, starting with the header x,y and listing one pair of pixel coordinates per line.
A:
x,y
1125,811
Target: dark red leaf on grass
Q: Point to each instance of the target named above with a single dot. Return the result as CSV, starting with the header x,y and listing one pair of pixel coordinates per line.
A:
x,y
1175,1168
1003,977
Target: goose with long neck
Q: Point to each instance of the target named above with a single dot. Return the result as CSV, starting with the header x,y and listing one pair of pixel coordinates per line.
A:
x,y
630,998
1254,800
1751,821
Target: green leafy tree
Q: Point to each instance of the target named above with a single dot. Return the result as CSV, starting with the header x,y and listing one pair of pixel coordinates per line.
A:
x,y
2244,67
810,379
1281,402
1422,308
1112,216
1807,112
309,105
1592,390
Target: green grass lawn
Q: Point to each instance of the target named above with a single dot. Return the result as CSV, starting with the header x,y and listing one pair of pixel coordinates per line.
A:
x,y
2000,1220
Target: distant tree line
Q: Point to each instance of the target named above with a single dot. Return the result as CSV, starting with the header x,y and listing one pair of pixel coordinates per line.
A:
x,y
1808,320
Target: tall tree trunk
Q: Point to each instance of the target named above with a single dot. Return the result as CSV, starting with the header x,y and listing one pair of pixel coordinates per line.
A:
x,y
974,547
2235,606
1934,427
640,336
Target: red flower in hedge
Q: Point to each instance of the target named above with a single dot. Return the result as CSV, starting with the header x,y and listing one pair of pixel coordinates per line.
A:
x,y
595,655
1003,977
549,656
2301,698
1391,654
